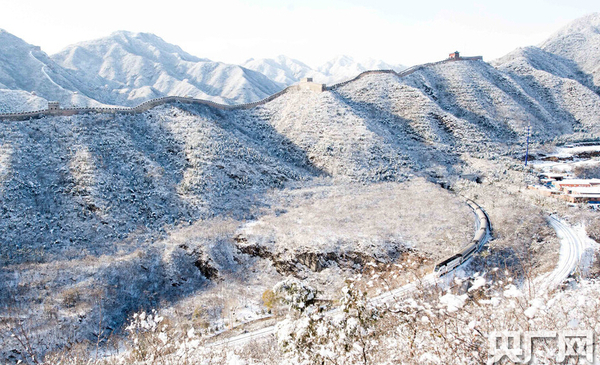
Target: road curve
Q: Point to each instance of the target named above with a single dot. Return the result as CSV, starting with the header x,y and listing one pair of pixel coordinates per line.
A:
x,y
571,251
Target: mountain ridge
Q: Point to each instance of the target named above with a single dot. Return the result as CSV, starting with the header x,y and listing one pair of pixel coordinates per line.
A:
x,y
579,41
134,67
288,71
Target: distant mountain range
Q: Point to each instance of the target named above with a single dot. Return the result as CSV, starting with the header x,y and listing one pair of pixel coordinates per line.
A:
x,y
26,68
128,68
288,71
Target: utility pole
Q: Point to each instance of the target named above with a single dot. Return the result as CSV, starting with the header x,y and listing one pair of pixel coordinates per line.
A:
x,y
527,148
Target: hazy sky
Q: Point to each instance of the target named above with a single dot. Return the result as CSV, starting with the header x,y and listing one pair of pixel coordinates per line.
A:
x,y
313,31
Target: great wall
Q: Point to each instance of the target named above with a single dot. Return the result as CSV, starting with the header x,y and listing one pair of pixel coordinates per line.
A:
x,y
55,110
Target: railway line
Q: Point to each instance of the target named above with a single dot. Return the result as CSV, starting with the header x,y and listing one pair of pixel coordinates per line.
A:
x,y
482,235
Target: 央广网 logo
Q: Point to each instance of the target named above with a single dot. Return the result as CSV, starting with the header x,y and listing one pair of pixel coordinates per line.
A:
x,y
517,346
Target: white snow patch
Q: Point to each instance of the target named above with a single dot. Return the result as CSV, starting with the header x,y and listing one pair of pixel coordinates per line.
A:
x,y
512,291
453,302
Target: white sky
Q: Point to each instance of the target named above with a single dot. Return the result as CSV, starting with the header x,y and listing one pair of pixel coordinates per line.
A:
x,y
313,31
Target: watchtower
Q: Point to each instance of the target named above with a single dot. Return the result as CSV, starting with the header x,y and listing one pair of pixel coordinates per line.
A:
x,y
455,55
53,106
307,84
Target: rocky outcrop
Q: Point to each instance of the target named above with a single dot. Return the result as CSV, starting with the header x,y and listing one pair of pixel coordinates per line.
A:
x,y
292,262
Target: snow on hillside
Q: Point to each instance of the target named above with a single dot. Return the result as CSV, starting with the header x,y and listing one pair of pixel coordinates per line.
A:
x,y
284,70
523,58
343,68
380,127
13,101
559,89
173,164
128,68
579,41
146,209
489,100
354,223
288,71
99,177
27,68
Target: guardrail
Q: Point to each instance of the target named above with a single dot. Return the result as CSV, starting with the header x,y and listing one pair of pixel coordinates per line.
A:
x,y
147,105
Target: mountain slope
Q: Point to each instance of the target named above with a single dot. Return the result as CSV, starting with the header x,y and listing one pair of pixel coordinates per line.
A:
x,y
563,75
149,208
24,67
288,71
284,70
470,103
557,85
342,68
13,101
128,68
579,41
107,177
177,163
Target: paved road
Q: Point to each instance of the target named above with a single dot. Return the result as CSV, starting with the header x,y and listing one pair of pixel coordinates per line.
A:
x,y
572,247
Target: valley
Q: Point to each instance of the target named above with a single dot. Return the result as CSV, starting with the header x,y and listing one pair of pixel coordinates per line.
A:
x,y
188,201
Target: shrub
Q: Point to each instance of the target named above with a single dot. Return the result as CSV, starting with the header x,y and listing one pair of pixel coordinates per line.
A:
x,y
269,299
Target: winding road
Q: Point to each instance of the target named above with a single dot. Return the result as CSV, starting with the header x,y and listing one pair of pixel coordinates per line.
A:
x,y
572,247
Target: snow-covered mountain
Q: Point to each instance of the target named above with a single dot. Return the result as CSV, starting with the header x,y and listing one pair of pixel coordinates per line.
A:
x,y
579,42
182,162
26,69
282,69
563,75
342,68
103,203
128,68
14,101
288,71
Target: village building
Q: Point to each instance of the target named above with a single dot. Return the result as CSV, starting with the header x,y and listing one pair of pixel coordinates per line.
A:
x,y
582,195
570,190
576,183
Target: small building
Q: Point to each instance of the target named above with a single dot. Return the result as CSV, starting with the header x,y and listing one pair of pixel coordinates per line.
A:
x,y
455,55
53,106
544,190
576,183
552,176
582,198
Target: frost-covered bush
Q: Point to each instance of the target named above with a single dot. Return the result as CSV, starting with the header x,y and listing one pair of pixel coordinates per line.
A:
x,y
148,338
344,336
587,172
295,294
153,340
